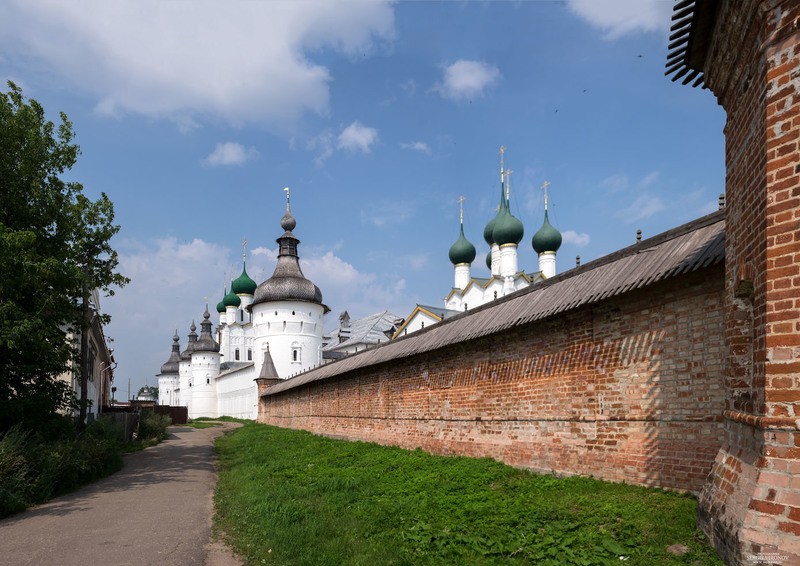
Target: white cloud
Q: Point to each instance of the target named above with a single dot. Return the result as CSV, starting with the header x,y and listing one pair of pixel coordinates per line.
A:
x,y
239,60
467,79
615,183
229,153
357,137
422,147
648,179
323,145
579,239
644,206
617,18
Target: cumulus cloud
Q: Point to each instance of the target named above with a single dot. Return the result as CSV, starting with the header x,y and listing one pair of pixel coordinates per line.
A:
x,y
241,61
644,206
579,239
357,137
229,153
617,18
467,79
422,147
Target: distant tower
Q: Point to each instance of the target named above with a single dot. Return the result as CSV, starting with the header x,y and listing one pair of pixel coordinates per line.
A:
x,y
287,310
185,369
223,318
232,303
205,367
244,286
546,242
462,253
507,234
168,378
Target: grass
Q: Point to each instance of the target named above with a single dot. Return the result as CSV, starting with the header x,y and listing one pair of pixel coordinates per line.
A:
x,y
289,497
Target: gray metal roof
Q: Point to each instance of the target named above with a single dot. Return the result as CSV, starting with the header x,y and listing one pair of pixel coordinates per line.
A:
x,y
371,329
690,247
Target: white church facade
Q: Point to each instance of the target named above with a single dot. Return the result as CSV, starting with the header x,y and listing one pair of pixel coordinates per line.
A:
x,y
274,328
503,233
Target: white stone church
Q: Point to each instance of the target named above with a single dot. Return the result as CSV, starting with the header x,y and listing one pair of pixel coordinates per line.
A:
x,y
274,329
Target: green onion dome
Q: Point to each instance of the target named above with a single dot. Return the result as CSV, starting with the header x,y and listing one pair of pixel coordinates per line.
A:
x,y
507,228
462,251
243,285
221,304
488,231
231,300
547,238
489,260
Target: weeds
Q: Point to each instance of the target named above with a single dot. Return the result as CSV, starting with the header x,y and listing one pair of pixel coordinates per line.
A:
x,y
289,497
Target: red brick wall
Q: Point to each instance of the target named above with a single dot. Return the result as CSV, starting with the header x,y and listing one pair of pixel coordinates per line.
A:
x,y
629,390
751,503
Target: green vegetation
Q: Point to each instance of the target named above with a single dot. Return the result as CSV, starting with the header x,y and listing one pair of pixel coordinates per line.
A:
x,y
54,250
35,466
289,497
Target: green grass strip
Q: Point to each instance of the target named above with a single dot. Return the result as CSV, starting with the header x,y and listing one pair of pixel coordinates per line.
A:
x,y
290,497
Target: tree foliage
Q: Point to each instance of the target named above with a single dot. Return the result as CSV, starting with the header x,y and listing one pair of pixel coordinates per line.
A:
x,y
48,233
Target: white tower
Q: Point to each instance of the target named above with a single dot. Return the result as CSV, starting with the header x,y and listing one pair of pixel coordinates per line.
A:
x,y
205,368
287,310
168,378
185,369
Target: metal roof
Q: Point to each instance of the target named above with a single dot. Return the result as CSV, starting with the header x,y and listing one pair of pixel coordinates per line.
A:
x,y
690,247
371,329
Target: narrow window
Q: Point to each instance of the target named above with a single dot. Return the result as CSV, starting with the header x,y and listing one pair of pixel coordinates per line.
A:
x,y
249,355
236,354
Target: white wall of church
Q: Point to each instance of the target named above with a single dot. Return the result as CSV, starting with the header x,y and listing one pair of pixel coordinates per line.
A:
x,y
237,394
205,367
293,330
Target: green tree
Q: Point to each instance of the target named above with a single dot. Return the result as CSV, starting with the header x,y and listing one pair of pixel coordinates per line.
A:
x,y
35,228
54,245
153,391
96,262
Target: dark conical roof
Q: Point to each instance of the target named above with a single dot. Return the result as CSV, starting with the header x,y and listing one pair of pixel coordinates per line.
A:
x,y
547,238
288,282
206,342
187,353
268,370
171,365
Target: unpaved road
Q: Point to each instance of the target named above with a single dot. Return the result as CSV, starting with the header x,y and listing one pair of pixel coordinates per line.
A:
x,y
156,510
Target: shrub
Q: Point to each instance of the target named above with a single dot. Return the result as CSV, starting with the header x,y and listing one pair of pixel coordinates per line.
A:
x,y
13,471
152,425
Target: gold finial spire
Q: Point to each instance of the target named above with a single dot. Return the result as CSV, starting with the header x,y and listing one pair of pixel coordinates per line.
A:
x,y
461,209
544,187
508,184
502,152
287,197
244,250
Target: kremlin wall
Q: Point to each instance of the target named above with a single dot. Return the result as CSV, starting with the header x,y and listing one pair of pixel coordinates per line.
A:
x,y
674,363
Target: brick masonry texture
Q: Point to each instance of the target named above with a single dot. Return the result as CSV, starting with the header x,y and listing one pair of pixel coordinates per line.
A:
x,y
749,505
627,390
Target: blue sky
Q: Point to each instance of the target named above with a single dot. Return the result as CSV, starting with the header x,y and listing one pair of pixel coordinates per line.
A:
x,y
192,117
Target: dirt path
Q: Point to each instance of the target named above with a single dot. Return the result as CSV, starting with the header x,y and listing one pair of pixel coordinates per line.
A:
x,y
156,510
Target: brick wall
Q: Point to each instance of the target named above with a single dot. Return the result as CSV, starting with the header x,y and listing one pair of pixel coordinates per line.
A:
x,y
629,389
751,503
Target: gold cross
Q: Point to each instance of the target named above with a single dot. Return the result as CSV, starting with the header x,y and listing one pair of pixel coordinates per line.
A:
x,y
244,249
287,196
461,208
544,186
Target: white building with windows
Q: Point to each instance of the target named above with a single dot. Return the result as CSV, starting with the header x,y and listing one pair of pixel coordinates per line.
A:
x,y
279,322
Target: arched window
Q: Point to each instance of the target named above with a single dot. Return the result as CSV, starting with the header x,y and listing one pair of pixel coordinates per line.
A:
x,y
296,353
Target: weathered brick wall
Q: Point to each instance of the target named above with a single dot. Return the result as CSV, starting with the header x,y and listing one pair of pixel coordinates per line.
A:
x,y
630,390
751,503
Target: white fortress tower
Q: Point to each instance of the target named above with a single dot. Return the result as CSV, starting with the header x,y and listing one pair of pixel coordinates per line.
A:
x,y
185,369
168,380
205,368
287,311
